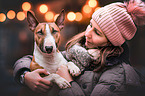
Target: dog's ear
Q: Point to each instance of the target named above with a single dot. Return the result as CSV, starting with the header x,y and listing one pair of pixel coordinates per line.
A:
x,y
33,22
60,20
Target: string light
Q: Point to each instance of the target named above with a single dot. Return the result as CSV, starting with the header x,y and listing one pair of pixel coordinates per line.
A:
x,y
20,16
78,16
43,8
11,14
92,3
55,17
49,16
97,8
71,16
87,9
26,6
2,17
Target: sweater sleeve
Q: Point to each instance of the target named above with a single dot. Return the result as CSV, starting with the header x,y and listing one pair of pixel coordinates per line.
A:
x,y
21,65
74,90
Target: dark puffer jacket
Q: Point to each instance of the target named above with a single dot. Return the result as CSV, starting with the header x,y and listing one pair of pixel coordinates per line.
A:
x,y
119,80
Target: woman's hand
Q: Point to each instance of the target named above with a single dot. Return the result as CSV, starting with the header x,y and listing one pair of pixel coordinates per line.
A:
x,y
35,82
63,72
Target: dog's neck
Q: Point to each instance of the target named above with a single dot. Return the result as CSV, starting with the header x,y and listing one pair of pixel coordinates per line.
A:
x,y
47,60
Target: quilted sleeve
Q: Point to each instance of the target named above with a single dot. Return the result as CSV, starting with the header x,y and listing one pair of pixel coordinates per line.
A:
x,y
111,83
82,86
21,65
75,90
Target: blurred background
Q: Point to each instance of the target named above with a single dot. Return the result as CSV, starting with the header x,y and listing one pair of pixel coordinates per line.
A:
x,y
16,40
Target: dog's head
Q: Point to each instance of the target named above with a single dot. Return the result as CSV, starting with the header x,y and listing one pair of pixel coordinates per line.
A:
x,y
46,35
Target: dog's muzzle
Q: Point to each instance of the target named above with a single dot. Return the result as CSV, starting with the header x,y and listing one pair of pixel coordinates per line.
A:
x,y
49,49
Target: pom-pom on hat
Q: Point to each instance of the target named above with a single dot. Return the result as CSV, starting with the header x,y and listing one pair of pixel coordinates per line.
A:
x,y
117,20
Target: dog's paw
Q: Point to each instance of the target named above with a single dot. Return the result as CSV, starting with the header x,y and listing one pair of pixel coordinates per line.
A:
x,y
62,83
73,69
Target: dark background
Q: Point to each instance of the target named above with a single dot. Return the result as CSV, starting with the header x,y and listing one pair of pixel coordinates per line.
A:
x,y
16,40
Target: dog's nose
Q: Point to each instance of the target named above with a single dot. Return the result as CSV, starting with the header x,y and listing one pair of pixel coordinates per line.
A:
x,y
49,49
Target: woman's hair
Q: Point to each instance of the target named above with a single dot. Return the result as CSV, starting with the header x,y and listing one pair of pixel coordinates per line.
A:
x,y
79,38
105,51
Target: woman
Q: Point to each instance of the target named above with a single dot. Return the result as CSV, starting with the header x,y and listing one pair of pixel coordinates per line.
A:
x,y
100,52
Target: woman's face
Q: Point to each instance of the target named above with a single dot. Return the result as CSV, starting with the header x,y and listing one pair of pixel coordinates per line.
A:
x,y
94,36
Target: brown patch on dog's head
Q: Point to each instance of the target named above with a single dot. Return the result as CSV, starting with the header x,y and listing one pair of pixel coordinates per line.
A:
x,y
39,35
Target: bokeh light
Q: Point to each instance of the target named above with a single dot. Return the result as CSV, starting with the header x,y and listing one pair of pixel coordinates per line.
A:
x,y
49,16
87,9
97,8
55,17
26,6
2,17
71,16
92,3
11,14
43,8
21,16
78,16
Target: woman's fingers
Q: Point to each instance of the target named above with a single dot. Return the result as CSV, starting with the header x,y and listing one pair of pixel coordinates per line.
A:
x,y
63,72
42,71
46,82
35,82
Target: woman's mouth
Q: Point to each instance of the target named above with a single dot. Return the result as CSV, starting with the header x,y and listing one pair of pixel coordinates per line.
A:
x,y
88,43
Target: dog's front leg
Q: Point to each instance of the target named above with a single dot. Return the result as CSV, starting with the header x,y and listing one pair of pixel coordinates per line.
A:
x,y
61,82
73,69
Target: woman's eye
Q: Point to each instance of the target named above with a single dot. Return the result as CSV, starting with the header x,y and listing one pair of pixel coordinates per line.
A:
x,y
97,32
40,32
54,31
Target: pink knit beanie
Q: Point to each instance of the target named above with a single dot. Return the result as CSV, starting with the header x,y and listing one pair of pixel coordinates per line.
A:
x,y
117,20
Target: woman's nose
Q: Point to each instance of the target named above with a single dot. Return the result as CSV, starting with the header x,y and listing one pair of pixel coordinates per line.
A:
x,y
88,33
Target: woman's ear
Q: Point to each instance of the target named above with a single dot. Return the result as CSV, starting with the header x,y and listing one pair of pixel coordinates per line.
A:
x,y
32,20
60,20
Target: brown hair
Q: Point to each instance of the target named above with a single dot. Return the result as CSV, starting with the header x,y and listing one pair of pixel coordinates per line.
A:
x,y
105,51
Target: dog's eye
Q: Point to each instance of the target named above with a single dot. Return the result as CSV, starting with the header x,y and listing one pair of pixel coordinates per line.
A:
x,y
40,32
54,31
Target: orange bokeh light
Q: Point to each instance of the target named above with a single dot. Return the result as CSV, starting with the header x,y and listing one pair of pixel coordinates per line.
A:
x,y
87,9
55,17
43,8
2,17
21,16
97,8
11,14
49,16
71,16
92,3
79,16
26,6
